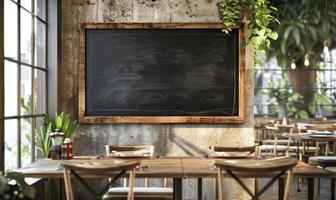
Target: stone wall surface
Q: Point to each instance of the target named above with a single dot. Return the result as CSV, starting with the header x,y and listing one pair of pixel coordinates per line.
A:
x,y
173,139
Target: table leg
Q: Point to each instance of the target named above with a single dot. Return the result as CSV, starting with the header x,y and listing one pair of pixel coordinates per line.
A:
x,y
47,187
332,189
310,188
334,148
177,184
298,149
281,188
199,188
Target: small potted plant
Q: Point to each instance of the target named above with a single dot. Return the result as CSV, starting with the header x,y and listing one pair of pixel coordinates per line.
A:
x,y
61,122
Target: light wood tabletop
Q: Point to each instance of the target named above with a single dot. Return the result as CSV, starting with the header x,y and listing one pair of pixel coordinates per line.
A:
x,y
173,167
304,138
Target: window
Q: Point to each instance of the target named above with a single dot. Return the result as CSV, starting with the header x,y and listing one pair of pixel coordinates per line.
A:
x,y
325,80
25,71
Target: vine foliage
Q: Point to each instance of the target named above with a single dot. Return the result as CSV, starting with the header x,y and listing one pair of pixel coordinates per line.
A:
x,y
257,14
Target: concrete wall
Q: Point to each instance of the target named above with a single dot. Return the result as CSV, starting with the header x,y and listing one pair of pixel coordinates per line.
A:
x,y
174,139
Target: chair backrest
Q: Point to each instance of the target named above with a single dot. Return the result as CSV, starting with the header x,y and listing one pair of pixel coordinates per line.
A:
x,y
144,151
129,151
303,127
257,166
217,150
97,168
276,166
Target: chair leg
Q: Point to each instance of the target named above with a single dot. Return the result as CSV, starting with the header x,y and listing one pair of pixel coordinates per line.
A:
x,y
288,184
220,184
67,184
318,185
131,185
216,188
146,182
125,182
332,189
327,149
298,188
165,182
256,186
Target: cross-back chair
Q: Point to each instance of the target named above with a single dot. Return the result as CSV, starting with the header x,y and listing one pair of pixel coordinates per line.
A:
x,y
274,166
98,168
146,192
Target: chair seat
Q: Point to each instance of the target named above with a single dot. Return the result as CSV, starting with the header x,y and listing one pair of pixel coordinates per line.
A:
x,y
150,192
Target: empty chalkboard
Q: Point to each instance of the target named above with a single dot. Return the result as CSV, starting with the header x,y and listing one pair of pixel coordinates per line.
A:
x,y
161,72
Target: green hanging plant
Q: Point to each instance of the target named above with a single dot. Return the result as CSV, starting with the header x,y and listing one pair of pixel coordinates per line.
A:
x,y
258,14
306,26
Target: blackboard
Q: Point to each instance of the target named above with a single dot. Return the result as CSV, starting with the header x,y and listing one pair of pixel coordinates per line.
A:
x,y
161,72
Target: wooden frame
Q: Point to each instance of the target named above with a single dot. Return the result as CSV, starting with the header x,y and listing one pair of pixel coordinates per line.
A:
x,y
2,94
160,119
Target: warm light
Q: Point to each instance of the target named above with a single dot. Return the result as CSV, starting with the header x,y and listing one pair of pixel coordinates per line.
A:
x,y
306,61
293,65
325,50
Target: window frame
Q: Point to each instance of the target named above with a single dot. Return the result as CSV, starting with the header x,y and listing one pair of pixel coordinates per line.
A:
x,y
330,67
2,81
34,70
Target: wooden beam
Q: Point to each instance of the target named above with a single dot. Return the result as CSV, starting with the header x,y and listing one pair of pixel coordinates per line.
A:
x,y
2,103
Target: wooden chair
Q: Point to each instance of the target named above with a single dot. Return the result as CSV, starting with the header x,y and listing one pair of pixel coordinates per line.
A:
x,y
275,166
100,168
146,192
302,128
232,152
220,151
274,145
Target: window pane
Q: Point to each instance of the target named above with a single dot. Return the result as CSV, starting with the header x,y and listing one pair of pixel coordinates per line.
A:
x,y
40,91
11,44
40,41
26,32
25,85
39,123
26,133
11,88
27,4
41,8
11,133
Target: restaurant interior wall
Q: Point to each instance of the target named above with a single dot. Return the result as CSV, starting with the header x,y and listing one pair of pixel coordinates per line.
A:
x,y
168,139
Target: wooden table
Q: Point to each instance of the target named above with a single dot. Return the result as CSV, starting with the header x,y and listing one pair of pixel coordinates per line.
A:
x,y
172,167
305,138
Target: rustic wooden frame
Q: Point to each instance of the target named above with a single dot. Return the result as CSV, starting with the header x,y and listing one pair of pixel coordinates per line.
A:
x,y
2,92
160,119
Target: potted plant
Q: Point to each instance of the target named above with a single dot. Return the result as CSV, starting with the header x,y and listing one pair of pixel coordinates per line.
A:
x,y
320,98
63,123
15,190
307,27
286,100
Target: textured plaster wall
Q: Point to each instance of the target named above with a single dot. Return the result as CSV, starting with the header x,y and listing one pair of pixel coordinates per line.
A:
x,y
175,139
